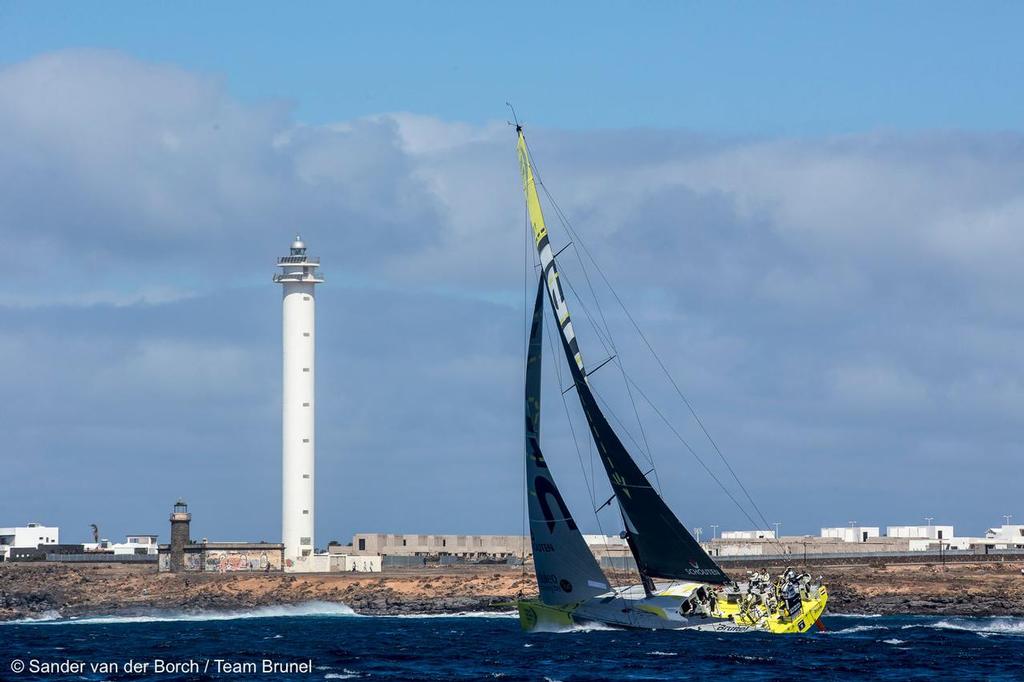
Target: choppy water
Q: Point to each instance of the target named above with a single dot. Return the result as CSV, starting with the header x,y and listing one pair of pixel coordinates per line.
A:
x,y
342,645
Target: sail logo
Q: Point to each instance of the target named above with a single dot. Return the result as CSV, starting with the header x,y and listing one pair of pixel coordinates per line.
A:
x,y
546,489
695,569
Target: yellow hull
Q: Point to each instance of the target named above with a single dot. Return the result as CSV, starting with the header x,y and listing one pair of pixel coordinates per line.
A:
x,y
536,616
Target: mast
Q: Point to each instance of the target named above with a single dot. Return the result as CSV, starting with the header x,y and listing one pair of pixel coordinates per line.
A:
x,y
659,542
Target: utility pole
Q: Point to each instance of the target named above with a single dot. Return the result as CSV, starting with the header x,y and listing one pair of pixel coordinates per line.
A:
x,y
778,524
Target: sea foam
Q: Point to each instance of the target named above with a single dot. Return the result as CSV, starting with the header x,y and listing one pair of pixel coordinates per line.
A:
x,y
311,608
856,628
460,614
982,626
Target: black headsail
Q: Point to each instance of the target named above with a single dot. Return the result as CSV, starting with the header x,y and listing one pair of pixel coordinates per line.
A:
x,y
660,543
566,569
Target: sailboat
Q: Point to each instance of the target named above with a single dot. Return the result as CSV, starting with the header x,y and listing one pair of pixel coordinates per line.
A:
x,y
681,586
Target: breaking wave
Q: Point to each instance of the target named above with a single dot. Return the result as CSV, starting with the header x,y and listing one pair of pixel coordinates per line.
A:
x,y
982,626
460,614
856,628
555,628
311,608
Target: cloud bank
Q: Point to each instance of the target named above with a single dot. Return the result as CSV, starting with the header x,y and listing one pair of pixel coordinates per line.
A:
x,y
841,310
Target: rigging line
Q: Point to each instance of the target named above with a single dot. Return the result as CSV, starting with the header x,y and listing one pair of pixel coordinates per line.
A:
x,y
617,591
695,455
643,433
586,275
636,412
604,335
592,483
572,428
574,234
629,434
606,343
564,220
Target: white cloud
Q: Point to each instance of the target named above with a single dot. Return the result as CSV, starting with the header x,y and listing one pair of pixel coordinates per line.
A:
x,y
824,300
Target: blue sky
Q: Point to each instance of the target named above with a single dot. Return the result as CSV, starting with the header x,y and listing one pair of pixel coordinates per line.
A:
x,y
749,68
814,211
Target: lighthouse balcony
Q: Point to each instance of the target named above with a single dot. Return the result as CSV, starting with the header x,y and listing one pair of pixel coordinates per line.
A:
x,y
310,277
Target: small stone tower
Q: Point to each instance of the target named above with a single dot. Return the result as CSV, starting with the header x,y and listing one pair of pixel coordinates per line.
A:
x,y
180,520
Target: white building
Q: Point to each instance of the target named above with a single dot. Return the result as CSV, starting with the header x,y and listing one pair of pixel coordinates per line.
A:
x,y
1005,537
136,544
747,535
604,541
917,532
28,536
932,544
851,533
350,563
299,277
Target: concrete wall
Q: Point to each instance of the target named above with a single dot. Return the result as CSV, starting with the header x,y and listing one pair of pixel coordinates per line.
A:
x,y
226,557
469,546
798,546
348,563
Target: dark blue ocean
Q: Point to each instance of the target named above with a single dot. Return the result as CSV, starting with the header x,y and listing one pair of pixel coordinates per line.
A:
x,y
336,644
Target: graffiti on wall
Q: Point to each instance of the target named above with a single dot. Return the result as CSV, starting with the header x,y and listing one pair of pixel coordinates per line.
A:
x,y
191,561
225,561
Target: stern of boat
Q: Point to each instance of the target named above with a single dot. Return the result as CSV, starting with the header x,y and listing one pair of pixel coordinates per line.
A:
x,y
812,608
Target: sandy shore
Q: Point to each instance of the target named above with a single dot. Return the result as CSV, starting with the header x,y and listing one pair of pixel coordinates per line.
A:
x,y
34,590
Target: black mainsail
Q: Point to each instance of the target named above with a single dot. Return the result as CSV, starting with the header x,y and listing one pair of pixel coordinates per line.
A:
x,y
566,569
659,542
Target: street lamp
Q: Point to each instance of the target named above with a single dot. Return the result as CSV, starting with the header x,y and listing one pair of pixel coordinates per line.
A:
x,y
1007,517
929,520
698,531
714,531
777,525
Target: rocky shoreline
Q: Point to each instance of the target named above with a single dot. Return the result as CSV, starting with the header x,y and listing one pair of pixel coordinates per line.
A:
x,y
62,590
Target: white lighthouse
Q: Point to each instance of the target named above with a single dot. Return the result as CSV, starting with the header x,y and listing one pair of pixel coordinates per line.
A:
x,y
299,277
